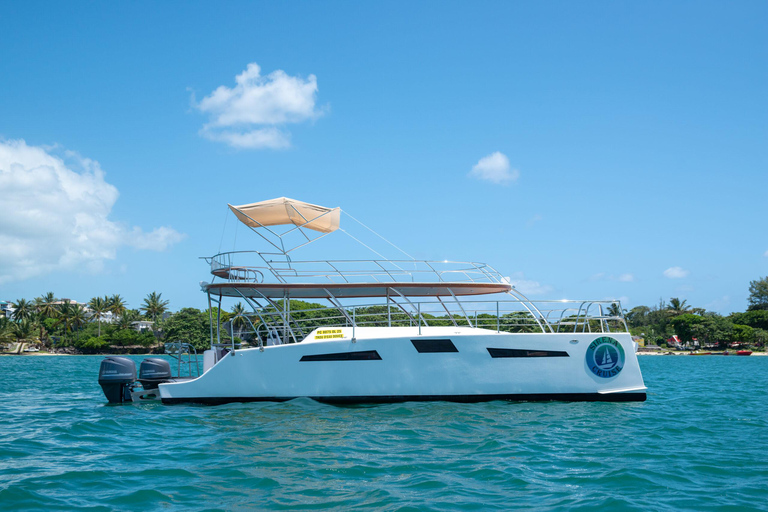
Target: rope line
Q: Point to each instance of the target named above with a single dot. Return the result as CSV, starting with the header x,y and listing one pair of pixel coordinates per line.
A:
x,y
378,235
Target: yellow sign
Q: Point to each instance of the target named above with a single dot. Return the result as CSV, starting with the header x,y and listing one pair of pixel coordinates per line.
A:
x,y
327,334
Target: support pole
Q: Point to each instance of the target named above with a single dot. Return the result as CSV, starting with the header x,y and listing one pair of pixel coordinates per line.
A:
x,y
210,318
218,322
418,310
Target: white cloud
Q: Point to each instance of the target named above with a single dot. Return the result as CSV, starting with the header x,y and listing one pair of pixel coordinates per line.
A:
x,y
159,239
248,115
55,214
533,220
719,305
676,273
602,276
495,168
271,138
526,286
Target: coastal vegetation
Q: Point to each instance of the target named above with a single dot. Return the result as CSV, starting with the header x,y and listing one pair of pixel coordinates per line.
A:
x,y
106,324
103,324
696,326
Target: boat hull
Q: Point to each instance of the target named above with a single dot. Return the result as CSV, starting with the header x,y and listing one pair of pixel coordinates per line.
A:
x,y
458,365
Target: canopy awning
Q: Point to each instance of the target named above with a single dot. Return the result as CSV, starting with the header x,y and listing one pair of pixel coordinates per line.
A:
x,y
282,211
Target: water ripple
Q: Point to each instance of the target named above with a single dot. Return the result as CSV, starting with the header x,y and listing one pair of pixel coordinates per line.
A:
x,y
696,444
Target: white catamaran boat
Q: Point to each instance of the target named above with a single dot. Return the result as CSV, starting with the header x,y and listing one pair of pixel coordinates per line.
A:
x,y
395,330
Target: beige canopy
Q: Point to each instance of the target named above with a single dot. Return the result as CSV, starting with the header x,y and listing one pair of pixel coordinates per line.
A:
x,y
280,211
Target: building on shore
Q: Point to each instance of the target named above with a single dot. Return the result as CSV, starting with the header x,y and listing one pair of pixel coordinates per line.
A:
x,y
6,308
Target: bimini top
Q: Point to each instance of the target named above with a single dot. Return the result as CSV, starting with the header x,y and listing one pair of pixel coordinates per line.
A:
x,y
282,211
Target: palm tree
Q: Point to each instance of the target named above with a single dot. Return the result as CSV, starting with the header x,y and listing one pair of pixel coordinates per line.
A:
x,y
154,306
238,318
117,305
69,315
46,305
678,307
38,320
23,329
123,322
6,330
615,310
99,306
23,310
78,317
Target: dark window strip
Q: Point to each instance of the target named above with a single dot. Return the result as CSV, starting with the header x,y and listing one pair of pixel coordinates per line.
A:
x,y
516,352
364,355
434,346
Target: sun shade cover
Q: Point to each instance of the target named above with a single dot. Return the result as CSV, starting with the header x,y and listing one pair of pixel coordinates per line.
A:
x,y
282,211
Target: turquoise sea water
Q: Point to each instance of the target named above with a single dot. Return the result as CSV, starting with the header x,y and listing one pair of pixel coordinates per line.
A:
x,y
700,442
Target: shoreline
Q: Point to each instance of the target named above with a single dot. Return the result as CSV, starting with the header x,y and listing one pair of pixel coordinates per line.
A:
x,y
49,354
683,353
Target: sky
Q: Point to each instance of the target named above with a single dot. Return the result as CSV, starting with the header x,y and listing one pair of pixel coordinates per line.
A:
x,y
587,150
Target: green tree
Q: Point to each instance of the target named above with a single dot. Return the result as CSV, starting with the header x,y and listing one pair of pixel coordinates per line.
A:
x,y
46,305
23,329
99,307
6,330
757,319
123,322
71,316
761,337
615,310
758,294
38,319
685,326
117,305
23,310
715,329
192,326
91,344
238,316
154,306
638,316
743,333
678,307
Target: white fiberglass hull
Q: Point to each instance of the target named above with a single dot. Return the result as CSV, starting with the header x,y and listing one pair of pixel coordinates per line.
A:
x,y
399,364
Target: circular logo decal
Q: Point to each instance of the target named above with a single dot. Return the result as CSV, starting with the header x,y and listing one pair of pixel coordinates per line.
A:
x,y
605,357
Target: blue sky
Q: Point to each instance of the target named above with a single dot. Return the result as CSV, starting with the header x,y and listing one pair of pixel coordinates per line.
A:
x,y
632,139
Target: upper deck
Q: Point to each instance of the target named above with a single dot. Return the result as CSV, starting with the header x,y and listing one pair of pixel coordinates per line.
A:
x,y
410,292
255,274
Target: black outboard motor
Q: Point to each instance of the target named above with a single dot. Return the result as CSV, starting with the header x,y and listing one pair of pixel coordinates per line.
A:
x,y
154,371
116,378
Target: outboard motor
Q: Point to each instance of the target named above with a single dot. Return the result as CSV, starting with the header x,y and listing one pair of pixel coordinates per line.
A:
x,y
116,378
154,371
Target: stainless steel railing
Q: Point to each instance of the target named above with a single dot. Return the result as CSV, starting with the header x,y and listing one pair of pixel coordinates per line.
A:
x,y
254,266
271,325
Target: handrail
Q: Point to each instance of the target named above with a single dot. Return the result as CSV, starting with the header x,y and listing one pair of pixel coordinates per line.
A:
x,y
518,313
499,316
225,266
182,348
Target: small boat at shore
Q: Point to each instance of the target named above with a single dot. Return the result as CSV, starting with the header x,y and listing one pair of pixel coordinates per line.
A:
x,y
390,330
700,354
743,352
